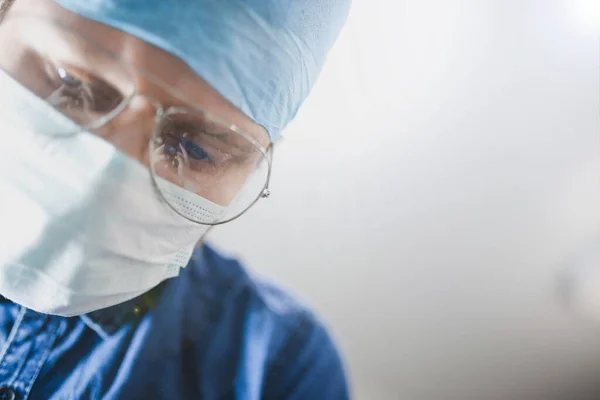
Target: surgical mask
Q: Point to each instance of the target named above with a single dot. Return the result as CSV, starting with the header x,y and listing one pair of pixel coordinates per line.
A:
x,y
82,225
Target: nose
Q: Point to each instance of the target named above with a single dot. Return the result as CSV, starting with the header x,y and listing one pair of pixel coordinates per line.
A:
x,y
131,129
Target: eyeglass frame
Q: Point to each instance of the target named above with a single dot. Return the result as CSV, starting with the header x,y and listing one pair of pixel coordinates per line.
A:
x,y
162,112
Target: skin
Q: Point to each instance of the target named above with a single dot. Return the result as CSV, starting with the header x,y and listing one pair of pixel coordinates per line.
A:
x,y
158,77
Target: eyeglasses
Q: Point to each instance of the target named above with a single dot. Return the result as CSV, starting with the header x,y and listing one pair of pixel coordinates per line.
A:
x,y
88,83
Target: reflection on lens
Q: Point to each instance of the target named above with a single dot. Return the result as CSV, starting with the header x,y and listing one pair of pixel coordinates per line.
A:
x,y
83,97
209,160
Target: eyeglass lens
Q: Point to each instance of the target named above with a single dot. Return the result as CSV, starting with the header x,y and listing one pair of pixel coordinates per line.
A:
x,y
86,82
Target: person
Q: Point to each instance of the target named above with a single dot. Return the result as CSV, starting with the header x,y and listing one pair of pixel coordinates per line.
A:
x,y
129,129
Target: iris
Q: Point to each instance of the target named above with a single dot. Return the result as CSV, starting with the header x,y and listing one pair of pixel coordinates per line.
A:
x,y
193,150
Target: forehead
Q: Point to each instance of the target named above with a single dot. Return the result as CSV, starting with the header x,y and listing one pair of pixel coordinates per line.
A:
x,y
153,71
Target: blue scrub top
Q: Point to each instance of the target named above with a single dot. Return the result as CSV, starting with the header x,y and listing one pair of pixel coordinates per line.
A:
x,y
214,332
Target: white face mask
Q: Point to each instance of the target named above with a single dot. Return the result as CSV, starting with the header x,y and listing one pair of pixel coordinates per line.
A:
x,y
81,225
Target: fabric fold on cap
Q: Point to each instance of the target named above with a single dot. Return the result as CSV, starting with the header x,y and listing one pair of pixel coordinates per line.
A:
x,y
264,56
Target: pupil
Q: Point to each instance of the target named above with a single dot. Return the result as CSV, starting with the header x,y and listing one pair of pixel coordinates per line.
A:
x,y
68,79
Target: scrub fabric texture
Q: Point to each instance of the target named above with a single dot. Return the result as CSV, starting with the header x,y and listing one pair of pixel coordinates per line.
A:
x,y
214,333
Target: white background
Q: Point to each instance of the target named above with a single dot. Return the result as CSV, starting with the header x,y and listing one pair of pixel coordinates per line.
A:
x,y
443,173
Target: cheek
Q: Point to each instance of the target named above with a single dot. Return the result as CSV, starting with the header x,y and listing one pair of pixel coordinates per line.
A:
x,y
240,180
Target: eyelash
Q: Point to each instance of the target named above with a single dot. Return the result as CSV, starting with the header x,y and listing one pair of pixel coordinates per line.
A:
x,y
183,138
73,90
180,145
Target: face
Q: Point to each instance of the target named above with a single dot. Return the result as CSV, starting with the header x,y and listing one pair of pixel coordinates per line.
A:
x,y
144,101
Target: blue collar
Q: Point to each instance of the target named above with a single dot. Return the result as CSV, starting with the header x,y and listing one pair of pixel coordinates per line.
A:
x,y
109,320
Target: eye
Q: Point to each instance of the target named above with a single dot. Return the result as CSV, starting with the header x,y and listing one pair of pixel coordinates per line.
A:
x,y
200,144
180,145
70,81
194,150
75,91
185,138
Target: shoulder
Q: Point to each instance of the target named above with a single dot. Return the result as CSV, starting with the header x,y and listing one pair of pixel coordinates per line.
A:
x,y
224,271
301,360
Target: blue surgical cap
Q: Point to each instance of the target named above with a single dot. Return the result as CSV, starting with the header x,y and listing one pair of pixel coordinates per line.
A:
x,y
263,56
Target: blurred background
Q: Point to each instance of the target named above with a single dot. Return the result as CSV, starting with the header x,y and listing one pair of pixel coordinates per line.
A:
x,y
437,201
